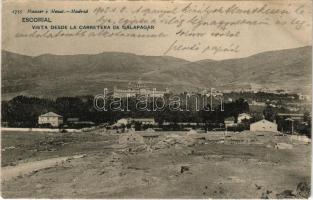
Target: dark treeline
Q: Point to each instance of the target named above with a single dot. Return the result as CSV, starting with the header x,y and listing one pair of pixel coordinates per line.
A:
x,y
23,111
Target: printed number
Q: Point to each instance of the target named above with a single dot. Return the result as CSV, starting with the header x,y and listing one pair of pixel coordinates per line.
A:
x,y
16,12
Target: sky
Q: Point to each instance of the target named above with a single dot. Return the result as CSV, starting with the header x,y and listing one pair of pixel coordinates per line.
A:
x,y
251,40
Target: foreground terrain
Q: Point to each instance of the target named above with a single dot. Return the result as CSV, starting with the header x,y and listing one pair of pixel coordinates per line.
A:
x,y
169,165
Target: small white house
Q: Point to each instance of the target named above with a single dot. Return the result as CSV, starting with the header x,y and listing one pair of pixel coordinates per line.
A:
x,y
263,125
123,121
243,116
51,118
145,121
230,122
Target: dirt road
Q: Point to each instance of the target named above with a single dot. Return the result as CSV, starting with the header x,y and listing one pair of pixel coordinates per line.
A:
x,y
251,169
10,172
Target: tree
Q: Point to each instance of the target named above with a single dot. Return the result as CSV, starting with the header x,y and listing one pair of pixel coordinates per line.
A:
x,y
307,117
269,113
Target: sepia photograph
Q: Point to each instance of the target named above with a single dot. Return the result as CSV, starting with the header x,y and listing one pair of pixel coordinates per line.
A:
x,y
156,99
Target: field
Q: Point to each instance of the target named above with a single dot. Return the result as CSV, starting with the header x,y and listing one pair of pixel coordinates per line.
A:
x,y
169,165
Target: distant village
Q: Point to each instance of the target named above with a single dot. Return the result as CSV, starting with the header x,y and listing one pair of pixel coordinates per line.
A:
x,y
138,88
254,110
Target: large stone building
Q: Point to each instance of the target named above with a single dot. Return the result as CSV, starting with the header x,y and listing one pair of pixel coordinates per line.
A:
x,y
51,118
263,125
138,89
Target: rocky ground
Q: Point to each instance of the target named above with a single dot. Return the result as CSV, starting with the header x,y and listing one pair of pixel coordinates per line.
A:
x,y
246,165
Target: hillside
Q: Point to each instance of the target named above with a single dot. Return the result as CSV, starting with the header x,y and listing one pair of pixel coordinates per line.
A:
x,y
70,75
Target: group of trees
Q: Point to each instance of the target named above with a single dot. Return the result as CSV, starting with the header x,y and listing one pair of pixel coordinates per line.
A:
x,y
23,111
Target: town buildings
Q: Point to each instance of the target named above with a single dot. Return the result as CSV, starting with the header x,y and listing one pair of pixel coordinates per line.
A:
x,y
143,121
138,89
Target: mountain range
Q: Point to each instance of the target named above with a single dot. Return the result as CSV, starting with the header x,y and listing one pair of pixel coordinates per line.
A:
x,y
50,75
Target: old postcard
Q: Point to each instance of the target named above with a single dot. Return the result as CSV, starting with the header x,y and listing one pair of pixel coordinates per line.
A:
x,y
156,99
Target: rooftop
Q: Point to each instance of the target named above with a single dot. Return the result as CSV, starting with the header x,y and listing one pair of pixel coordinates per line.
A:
x,y
264,121
143,119
50,114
